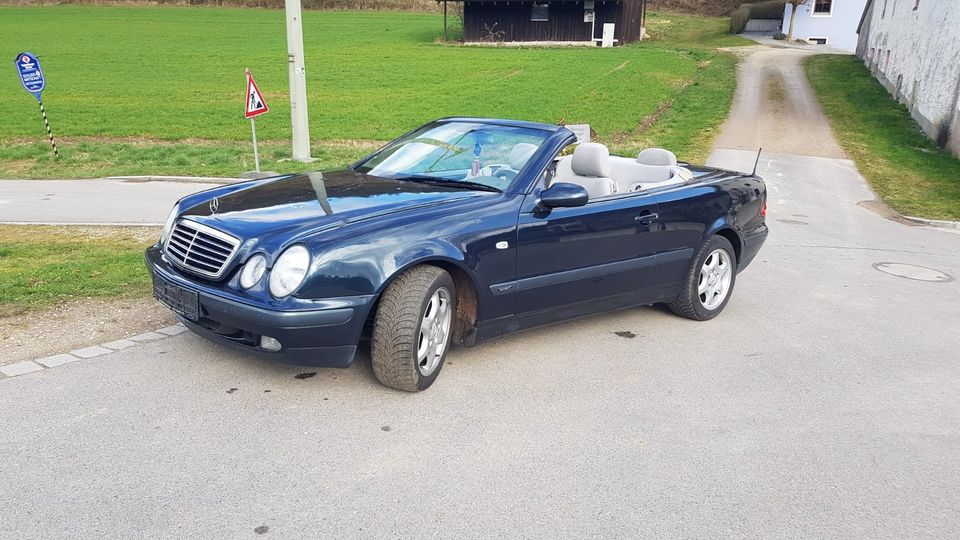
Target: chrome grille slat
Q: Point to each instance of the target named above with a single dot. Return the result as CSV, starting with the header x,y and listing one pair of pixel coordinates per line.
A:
x,y
208,241
179,242
208,253
200,249
223,252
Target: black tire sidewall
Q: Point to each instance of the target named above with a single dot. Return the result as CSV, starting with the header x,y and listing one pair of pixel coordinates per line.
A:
x,y
445,281
715,242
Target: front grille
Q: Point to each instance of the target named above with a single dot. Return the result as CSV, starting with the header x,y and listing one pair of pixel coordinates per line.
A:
x,y
200,249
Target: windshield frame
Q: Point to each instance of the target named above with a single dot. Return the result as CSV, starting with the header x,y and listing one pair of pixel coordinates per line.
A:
x,y
514,186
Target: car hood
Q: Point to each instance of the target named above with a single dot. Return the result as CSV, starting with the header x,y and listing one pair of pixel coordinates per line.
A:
x,y
310,202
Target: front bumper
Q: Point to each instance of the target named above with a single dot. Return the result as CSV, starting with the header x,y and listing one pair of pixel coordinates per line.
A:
x,y
324,336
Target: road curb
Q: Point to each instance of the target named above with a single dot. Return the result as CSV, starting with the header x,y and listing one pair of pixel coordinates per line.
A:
x,y
180,179
938,223
87,353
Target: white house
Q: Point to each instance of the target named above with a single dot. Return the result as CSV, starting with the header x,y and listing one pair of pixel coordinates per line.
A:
x,y
827,22
913,48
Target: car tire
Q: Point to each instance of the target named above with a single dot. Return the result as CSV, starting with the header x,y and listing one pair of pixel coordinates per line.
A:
x,y
412,328
708,288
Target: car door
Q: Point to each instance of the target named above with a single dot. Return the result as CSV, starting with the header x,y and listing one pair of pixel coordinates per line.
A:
x,y
577,256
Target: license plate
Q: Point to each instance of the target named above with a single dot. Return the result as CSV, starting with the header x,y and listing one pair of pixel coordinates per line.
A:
x,y
183,302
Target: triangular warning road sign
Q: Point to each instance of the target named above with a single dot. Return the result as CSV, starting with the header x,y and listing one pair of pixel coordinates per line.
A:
x,y
256,105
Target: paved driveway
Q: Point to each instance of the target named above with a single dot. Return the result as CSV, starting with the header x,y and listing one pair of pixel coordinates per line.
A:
x,y
104,201
824,402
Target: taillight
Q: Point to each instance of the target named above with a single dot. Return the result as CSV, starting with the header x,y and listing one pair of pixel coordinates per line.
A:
x,y
763,209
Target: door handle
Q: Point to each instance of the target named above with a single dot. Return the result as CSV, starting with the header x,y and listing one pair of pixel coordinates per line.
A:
x,y
646,219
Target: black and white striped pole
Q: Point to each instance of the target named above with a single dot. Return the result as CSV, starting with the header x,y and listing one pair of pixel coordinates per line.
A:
x,y
46,123
31,77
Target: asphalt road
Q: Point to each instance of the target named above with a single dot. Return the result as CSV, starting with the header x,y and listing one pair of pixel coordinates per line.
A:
x,y
104,201
822,403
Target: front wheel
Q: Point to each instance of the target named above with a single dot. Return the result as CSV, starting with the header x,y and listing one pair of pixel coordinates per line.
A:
x,y
709,282
411,332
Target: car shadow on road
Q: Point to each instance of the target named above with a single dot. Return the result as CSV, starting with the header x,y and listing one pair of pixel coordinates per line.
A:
x,y
628,323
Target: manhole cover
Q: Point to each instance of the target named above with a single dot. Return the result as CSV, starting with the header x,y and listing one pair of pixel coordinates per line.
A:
x,y
910,271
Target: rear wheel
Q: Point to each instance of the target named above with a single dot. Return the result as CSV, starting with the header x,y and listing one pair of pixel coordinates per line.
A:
x,y
710,281
411,332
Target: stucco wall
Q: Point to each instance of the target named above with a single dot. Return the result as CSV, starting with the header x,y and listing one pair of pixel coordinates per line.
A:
x,y
916,55
840,28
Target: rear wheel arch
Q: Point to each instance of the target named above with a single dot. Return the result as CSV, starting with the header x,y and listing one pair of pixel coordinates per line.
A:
x,y
734,240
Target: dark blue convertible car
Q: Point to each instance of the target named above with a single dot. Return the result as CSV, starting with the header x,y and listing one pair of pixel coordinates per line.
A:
x,y
461,230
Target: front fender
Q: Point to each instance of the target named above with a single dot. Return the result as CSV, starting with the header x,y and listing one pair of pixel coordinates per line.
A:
x,y
366,268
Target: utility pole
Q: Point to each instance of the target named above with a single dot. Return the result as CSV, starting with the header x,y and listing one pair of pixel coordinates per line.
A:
x,y
298,82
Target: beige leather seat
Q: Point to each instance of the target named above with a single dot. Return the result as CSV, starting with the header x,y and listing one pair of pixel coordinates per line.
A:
x,y
589,167
659,157
653,168
520,154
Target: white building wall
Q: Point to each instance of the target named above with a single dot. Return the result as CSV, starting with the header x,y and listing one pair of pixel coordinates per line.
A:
x,y
915,53
840,27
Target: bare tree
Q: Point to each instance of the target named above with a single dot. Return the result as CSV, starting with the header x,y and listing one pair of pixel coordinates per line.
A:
x,y
793,15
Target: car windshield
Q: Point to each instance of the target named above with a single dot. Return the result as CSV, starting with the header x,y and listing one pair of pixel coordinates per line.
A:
x,y
474,155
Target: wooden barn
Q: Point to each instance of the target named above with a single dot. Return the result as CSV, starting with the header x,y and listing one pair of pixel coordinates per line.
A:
x,y
553,21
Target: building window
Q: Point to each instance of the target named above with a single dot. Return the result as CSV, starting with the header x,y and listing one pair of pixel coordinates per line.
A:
x,y
539,12
822,8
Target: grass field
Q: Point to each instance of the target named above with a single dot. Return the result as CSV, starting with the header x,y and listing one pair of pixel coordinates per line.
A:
x,y
41,266
902,165
137,90
147,90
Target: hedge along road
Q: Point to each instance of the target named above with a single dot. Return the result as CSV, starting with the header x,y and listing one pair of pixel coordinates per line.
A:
x,y
821,403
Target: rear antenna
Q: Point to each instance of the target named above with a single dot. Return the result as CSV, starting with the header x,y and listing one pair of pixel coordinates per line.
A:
x,y
757,162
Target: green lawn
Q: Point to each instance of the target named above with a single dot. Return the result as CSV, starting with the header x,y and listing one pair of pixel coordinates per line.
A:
x,y
137,90
42,266
902,165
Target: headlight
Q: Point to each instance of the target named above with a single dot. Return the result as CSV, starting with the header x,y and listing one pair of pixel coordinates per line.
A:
x,y
289,270
253,271
168,225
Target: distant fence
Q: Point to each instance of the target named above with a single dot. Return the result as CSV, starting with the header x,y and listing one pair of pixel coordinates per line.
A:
x,y
373,5
763,25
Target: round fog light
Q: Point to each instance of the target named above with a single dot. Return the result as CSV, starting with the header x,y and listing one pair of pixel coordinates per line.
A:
x,y
253,271
269,343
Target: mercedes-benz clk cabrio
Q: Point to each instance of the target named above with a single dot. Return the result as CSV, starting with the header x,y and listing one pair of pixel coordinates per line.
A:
x,y
458,231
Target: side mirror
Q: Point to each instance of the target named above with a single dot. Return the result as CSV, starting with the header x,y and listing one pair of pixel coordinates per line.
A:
x,y
563,195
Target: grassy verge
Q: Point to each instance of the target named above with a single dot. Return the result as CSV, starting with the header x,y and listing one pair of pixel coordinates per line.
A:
x,y
902,165
693,30
42,266
141,90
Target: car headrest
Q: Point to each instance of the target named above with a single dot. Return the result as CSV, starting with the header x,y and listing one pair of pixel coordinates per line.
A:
x,y
520,154
657,156
591,159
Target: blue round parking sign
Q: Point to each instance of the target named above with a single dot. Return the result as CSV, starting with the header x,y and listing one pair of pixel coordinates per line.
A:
x,y
31,76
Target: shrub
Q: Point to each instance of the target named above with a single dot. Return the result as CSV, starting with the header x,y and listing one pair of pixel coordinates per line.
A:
x,y
739,18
